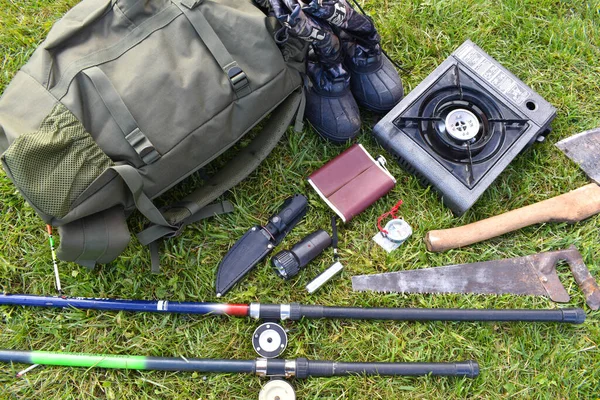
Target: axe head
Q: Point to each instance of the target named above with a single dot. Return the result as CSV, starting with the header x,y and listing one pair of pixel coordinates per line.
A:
x,y
584,149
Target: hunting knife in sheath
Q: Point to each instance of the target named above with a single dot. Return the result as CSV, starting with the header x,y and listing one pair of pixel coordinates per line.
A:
x,y
257,243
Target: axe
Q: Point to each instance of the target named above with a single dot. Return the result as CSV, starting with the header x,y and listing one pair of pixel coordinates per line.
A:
x,y
576,205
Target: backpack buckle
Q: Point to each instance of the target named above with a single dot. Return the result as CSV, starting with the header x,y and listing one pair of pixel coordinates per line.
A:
x,y
239,81
142,146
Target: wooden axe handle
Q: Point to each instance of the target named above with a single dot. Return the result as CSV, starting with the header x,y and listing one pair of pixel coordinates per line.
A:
x,y
570,207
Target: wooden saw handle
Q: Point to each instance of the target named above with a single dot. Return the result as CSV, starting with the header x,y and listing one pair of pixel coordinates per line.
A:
x,y
570,207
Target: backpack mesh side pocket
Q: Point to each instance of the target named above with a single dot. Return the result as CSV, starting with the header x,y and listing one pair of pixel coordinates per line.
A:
x,y
55,164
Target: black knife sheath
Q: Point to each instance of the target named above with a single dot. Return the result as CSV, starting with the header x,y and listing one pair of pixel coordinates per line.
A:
x,y
257,243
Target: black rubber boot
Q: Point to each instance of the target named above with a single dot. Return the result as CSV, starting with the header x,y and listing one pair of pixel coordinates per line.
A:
x,y
330,106
375,83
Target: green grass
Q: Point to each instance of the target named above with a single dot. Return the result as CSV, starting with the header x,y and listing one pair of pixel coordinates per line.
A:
x,y
552,45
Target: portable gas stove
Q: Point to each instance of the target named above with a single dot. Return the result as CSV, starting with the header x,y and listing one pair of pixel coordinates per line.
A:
x,y
460,127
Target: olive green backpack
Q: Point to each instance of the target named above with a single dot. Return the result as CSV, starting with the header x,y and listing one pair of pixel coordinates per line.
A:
x,y
125,98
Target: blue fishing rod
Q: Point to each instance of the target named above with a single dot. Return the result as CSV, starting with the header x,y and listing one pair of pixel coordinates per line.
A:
x,y
296,312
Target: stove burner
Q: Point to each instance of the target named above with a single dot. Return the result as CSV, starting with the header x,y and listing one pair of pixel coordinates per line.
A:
x,y
462,124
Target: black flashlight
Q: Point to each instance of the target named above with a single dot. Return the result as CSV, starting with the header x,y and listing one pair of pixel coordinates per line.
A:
x,y
288,263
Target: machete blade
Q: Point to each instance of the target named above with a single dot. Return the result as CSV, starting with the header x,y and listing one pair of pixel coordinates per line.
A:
x,y
511,276
248,251
584,149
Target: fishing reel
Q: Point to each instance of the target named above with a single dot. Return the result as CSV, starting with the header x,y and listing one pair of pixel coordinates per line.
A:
x,y
277,389
270,340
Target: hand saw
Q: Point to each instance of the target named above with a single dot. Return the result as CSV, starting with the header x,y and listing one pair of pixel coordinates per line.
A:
x,y
531,275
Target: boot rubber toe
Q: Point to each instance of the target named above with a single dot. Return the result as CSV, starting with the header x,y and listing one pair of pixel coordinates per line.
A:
x,y
378,88
334,116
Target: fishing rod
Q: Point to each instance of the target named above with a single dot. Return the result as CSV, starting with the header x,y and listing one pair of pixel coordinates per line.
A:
x,y
299,368
295,312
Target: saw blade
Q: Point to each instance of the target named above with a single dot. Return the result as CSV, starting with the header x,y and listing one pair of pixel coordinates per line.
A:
x,y
509,276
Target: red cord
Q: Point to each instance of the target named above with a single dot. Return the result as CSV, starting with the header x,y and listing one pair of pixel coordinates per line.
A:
x,y
392,212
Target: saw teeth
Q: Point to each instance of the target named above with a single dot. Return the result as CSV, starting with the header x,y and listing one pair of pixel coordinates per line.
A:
x,y
443,293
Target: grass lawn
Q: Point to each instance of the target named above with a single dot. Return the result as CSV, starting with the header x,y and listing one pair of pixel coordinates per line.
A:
x,y
552,45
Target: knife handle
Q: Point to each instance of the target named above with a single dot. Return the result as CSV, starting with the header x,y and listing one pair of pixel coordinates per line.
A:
x,y
291,212
570,207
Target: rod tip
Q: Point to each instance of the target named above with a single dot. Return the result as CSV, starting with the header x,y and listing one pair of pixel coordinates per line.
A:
x,y
573,315
469,368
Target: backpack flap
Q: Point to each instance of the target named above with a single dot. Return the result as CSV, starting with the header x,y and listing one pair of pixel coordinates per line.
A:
x,y
245,162
195,206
